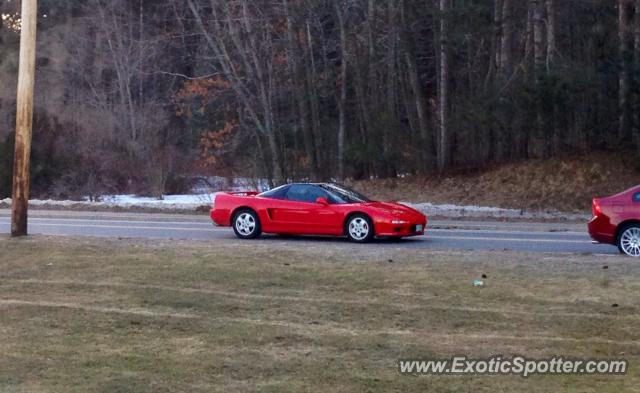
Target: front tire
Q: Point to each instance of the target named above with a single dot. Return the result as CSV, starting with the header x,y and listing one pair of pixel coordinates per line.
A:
x,y
629,240
246,224
359,229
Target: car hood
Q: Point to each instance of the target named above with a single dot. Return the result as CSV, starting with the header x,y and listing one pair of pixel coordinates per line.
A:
x,y
395,208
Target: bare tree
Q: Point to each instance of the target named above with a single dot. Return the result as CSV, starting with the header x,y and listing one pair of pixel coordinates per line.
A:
x,y
506,39
298,83
623,76
302,89
528,41
538,38
551,33
636,51
251,76
443,87
342,102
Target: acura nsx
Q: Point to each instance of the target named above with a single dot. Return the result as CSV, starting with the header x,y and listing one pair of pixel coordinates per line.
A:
x,y
315,209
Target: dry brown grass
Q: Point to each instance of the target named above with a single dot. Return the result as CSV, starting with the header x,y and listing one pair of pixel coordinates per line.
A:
x,y
84,315
564,184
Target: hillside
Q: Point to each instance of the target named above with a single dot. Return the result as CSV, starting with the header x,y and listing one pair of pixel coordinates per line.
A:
x,y
565,184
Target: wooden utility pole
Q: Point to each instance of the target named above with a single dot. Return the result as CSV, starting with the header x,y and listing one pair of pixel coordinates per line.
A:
x,y
24,118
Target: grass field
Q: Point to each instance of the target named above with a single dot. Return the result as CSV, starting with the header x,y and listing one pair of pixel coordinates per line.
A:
x,y
88,315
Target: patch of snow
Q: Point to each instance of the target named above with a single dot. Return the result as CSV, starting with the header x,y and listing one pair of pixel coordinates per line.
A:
x,y
456,211
170,202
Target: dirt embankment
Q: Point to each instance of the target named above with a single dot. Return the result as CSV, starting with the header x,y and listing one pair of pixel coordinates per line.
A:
x,y
566,184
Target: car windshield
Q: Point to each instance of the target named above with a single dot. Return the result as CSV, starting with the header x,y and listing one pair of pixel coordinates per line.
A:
x,y
342,194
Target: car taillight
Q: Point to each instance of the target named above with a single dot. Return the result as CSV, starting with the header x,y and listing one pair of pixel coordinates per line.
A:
x,y
596,207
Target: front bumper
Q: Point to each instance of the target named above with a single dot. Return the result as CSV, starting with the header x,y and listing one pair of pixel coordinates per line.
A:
x,y
388,229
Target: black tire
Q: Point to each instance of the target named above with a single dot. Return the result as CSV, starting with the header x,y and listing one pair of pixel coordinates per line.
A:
x,y
621,232
250,227
363,232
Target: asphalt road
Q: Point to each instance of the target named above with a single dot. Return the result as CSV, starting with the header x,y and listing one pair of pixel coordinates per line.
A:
x,y
441,235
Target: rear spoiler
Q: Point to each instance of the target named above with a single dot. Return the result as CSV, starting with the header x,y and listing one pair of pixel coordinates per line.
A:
x,y
242,193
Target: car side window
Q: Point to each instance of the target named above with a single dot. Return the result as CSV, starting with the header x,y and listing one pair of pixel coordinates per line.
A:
x,y
276,193
636,197
305,193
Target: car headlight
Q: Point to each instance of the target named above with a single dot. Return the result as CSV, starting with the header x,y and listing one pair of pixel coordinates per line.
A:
x,y
399,222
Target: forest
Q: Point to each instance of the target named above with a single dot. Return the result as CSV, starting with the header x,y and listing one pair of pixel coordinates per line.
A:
x,y
142,96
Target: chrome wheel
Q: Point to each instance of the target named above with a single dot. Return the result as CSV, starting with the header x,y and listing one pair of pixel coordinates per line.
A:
x,y
630,241
359,229
245,224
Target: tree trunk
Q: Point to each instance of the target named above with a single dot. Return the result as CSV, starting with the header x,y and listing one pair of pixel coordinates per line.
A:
x,y
539,66
528,42
298,91
505,42
313,99
553,142
636,51
390,90
623,76
443,88
494,55
425,134
371,46
538,39
551,33
343,92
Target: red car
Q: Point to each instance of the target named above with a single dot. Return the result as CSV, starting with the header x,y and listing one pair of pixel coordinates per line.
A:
x,y
616,220
315,209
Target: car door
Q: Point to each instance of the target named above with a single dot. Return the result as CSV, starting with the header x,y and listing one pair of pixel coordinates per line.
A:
x,y
300,213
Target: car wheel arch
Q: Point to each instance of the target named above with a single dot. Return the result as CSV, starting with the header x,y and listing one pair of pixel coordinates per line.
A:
x,y
354,213
624,225
239,209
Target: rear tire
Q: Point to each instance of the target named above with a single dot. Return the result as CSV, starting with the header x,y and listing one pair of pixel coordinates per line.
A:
x,y
359,228
629,240
246,224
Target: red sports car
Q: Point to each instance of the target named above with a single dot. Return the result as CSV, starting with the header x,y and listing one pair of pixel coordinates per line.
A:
x,y
315,209
616,220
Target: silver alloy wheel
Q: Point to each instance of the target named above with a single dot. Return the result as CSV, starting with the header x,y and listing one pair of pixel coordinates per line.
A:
x,y
359,228
245,224
630,241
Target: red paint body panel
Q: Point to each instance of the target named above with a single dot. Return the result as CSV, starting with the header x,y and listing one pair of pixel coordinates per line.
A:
x,y
303,218
612,212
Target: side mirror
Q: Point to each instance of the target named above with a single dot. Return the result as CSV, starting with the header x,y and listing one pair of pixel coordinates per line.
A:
x,y
322,201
